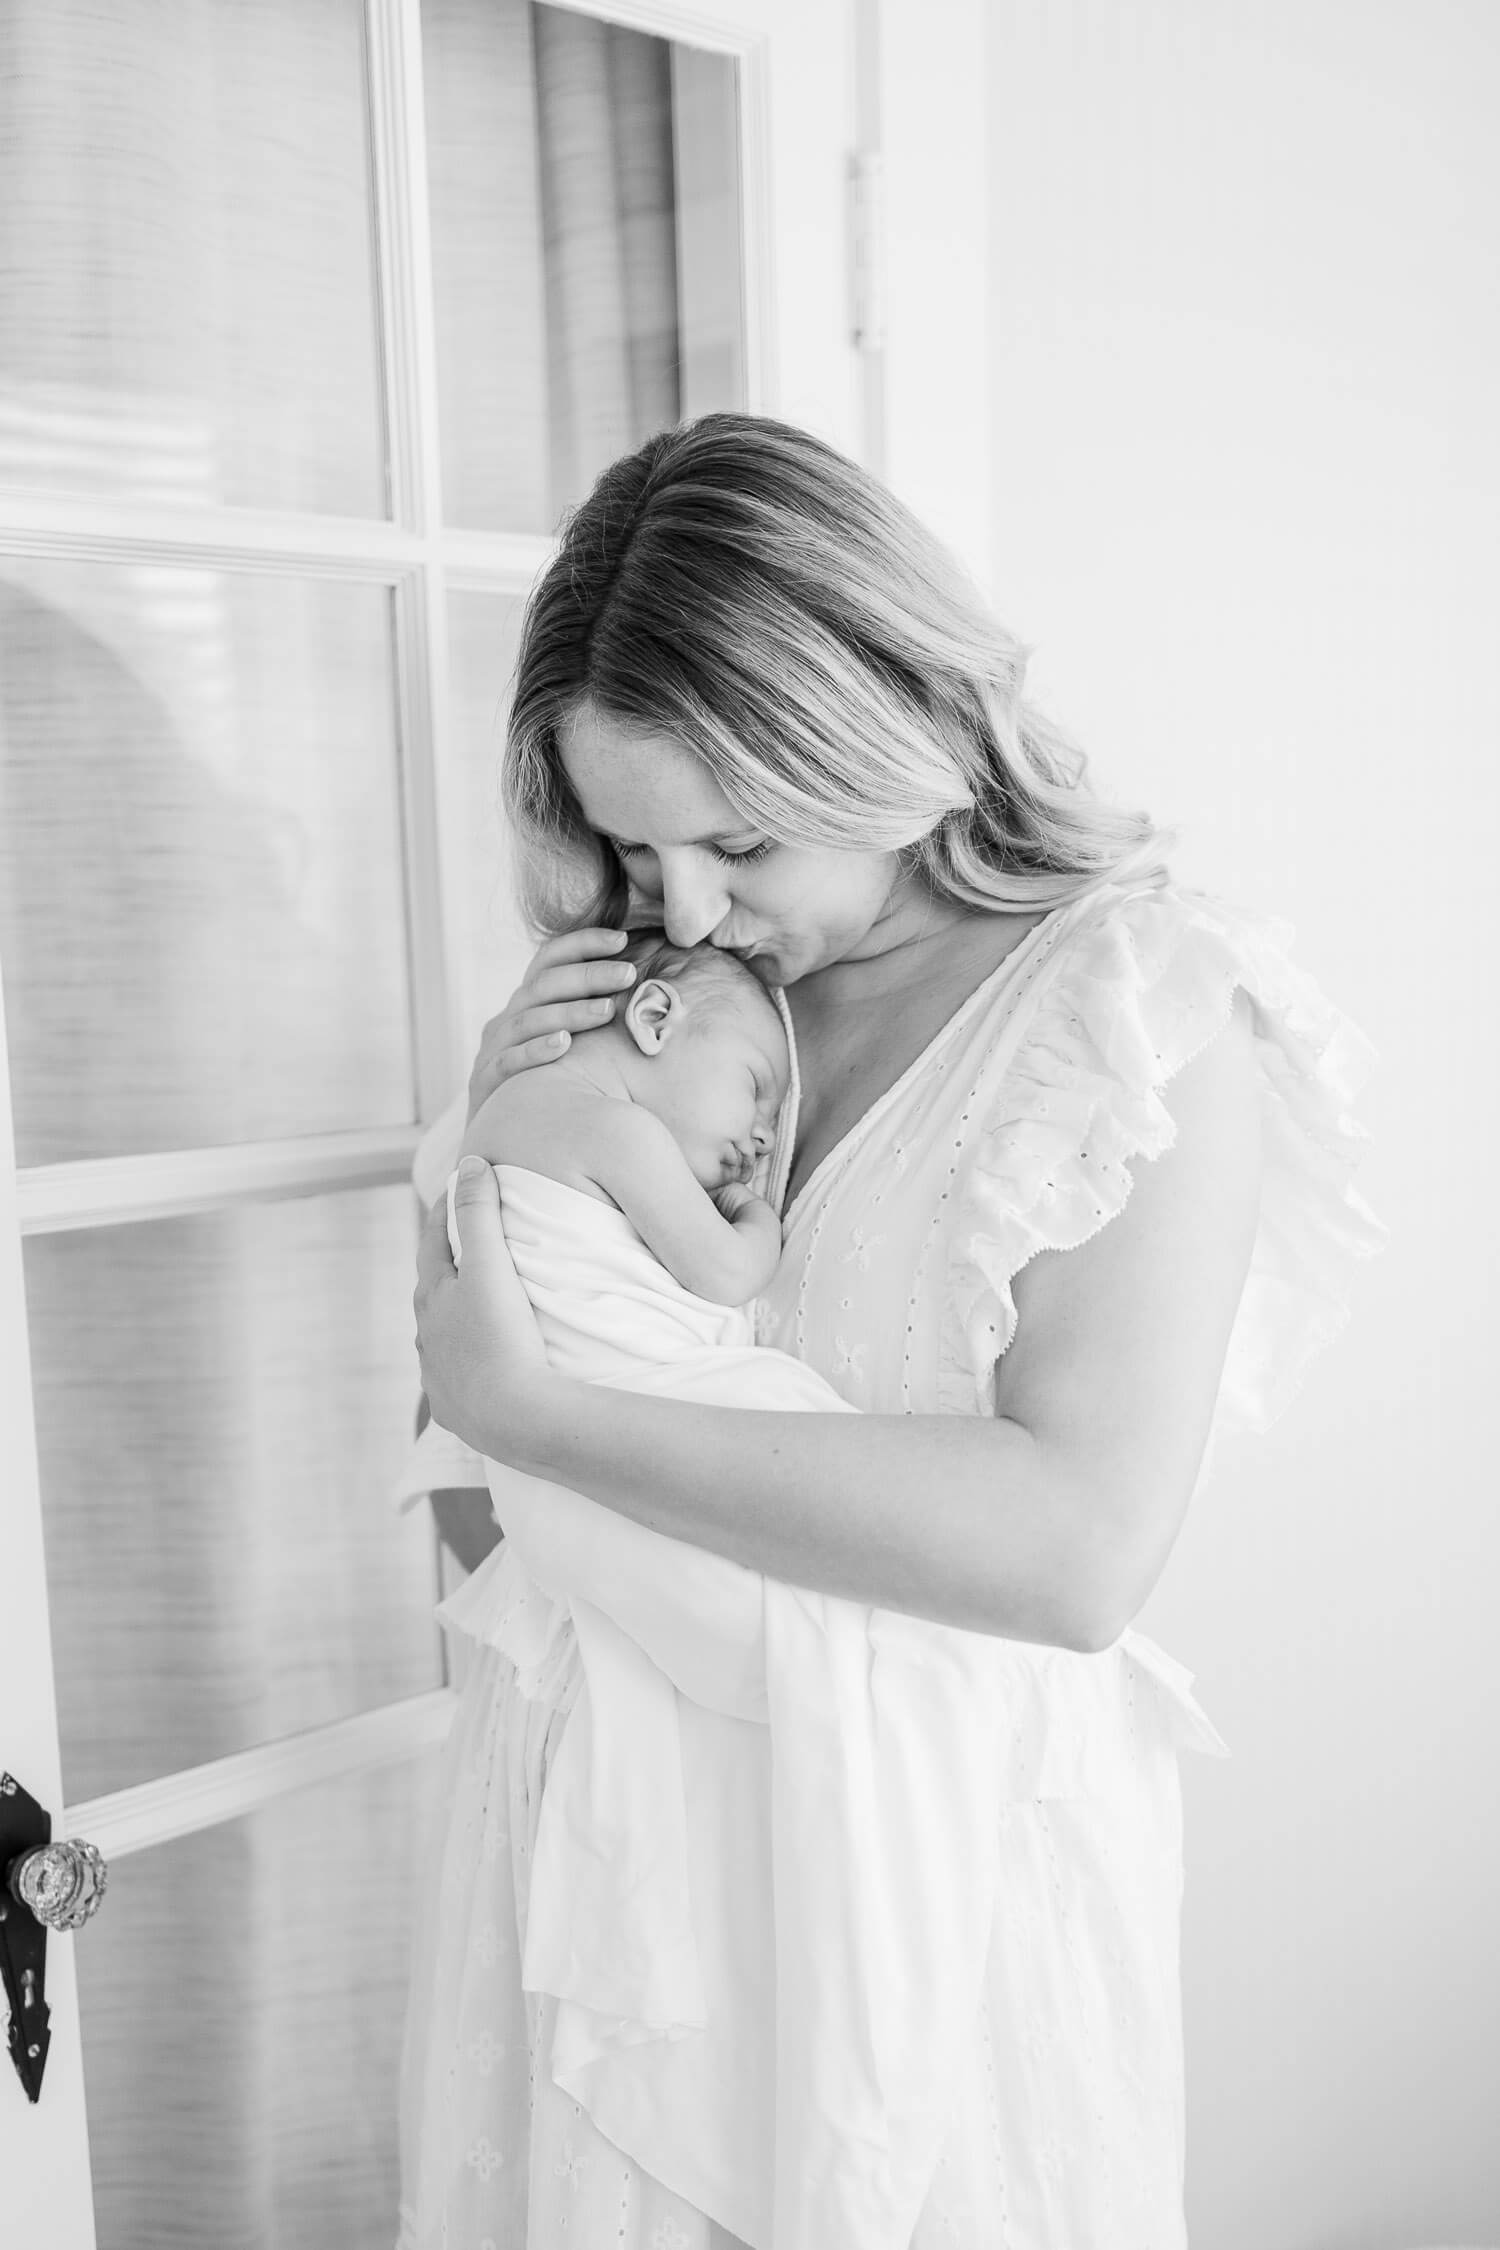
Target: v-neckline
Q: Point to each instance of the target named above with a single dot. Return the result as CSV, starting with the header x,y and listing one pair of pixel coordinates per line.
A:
x,y
786,1125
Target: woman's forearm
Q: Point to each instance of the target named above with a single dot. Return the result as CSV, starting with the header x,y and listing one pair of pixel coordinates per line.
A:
x,y
961,1519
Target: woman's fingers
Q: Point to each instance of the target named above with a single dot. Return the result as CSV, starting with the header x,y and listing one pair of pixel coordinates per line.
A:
x,y
563,968
571,985
573,980
560,1015
483,1362
536,1035
569,966
434,1257
576,945
476,1210
529,1054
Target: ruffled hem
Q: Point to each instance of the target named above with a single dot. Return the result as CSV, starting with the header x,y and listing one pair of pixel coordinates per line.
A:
x,y
499,1607
1137,993
1079,1726
1069,1725
437,1461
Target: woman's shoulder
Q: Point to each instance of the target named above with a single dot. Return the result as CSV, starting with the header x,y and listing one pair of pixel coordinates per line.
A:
x,y
1147,974
1138,982
1125,927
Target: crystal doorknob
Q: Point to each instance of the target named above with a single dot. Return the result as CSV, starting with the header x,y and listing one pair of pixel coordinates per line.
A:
x,y
61,1884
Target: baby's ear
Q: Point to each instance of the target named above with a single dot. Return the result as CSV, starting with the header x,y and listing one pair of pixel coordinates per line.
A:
x,y
652,1013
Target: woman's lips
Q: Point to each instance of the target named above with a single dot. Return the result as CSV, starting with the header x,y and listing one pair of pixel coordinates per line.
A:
x,y
763,963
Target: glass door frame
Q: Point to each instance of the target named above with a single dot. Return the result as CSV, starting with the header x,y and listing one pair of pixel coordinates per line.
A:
x,y
795,84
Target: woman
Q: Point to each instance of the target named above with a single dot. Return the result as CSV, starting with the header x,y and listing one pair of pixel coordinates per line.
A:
x,y
1064,1175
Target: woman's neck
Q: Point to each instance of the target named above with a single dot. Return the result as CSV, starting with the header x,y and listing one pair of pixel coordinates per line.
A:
x,y
863,1021
916,946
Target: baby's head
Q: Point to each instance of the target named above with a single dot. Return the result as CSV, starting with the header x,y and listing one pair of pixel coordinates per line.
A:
x,y
705,1052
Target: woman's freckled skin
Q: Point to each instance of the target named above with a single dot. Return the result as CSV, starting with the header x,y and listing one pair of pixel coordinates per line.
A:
x,y
795,911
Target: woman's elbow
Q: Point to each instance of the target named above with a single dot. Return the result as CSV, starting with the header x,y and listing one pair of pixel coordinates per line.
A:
x,y
1106,1594
1089,1629
1119,1532
1072,1612
1100,1587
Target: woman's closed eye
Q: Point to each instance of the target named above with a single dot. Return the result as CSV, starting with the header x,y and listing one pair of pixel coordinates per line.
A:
x,y
730,859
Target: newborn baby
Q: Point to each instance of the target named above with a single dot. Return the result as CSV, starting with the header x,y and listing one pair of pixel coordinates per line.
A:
x,y
663,1112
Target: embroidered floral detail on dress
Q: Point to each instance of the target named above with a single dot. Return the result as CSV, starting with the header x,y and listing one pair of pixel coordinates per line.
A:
x,y
487,1946
569,2166
484,2158
485,2053
851,1357
860,1246
668,2235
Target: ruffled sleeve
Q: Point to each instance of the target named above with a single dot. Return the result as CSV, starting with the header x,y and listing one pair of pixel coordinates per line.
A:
x,y
1138,987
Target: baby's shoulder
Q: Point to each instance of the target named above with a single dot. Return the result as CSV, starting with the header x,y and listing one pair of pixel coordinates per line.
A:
x,y
551,1121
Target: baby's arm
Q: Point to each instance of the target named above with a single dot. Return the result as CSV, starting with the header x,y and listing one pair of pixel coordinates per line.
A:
x,y
545,1122
726,1253
485,1133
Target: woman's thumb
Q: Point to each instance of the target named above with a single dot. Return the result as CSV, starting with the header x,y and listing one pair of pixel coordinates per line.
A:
x,y
474,1190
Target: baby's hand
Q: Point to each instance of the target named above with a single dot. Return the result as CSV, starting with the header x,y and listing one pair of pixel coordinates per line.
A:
x,y
720,1243
731,1200
758,1231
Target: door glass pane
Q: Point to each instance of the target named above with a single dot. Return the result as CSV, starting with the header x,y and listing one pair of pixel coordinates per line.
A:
x,y
587,265
494,945
222,1405
202,929
242,1994
187,282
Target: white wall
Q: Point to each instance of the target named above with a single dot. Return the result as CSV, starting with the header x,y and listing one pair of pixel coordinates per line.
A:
x,y
1245,497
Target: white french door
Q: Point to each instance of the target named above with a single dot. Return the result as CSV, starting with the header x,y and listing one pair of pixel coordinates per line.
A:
x,y
312,317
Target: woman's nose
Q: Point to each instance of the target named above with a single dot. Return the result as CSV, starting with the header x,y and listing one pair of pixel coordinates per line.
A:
x,y
691,907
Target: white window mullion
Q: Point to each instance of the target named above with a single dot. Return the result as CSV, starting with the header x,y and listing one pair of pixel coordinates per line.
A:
x,y
179,1804
494,562
49,2191
408,343
111,1191
30,1748
409,350
66,528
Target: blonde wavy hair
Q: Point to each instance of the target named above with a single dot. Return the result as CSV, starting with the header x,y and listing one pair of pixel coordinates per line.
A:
x,y
740,586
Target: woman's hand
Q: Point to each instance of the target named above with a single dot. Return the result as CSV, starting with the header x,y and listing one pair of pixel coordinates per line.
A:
x,y
484,1368
570,986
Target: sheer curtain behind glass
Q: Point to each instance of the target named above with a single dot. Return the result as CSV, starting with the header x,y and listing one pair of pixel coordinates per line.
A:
x,y
557,174
202,942
550,147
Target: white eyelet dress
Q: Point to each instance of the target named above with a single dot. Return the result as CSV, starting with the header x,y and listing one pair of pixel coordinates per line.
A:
x,y
1013,1133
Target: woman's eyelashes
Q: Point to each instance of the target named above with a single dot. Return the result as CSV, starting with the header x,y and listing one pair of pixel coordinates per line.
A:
x,y
729,859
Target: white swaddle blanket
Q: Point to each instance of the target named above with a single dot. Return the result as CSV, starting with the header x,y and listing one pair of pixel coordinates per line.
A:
x,y
763,1881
